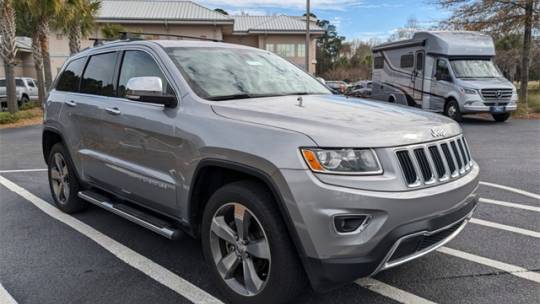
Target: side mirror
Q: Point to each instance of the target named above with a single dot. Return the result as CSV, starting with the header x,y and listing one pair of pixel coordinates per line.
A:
x,y
149,89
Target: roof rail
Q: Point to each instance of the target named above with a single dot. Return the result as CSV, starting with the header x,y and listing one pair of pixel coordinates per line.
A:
x,y
136,35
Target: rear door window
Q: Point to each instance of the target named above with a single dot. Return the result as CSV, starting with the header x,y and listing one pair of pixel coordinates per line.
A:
x,y
71,76
99,74
30,83
139,64
19,83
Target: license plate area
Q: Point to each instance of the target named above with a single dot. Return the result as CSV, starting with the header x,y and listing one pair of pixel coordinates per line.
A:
x,y
497,109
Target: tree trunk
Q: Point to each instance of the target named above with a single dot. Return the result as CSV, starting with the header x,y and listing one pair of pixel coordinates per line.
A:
x,y
43,30
74,39
526,51
11,89
38,65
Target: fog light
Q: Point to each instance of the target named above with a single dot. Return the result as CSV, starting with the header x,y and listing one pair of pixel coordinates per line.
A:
x,y
351,223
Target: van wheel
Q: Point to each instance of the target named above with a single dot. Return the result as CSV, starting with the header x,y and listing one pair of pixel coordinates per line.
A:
x,y
63,181
247,247
452,110
501,117
24,99
391,99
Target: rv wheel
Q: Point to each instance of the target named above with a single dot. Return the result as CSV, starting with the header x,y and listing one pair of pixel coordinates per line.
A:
x,y
452,110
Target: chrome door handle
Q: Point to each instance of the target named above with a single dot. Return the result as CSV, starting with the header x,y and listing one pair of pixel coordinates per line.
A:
x,y
113,111
71,103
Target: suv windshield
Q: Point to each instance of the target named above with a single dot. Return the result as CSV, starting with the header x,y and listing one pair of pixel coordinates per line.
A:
x,y
216,73
474,68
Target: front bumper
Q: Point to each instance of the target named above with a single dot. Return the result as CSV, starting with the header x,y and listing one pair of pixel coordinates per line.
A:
x,y
397,218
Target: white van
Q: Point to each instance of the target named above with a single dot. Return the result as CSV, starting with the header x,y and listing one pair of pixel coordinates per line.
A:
x,y
448,72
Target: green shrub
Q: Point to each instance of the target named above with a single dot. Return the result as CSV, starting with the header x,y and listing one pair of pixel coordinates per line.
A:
x,y
29,105
6,118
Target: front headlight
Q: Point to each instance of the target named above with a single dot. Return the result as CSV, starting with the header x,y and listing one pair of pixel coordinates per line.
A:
x,y
342,161
469,91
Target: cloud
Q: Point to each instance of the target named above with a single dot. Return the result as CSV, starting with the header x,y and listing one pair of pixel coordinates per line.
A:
x,y
338,5
251,12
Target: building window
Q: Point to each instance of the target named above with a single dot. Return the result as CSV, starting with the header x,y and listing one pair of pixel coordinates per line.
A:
x,y
270,47
285,49
301,50
407,61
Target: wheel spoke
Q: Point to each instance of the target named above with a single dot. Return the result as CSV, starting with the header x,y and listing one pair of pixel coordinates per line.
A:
x,y
222,230
242,220
65,190
228,264
259,249
58,162
251,280
55,175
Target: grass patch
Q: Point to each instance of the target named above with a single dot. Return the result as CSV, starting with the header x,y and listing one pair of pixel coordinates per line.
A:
x,y
533,101
8,118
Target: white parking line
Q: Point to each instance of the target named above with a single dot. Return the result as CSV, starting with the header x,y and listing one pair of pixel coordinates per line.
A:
x,y
22,170
511,189
505,227
124,253
508,204
5,297
513,270
391,292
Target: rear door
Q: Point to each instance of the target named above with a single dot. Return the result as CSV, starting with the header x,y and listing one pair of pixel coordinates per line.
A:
x,y
141,154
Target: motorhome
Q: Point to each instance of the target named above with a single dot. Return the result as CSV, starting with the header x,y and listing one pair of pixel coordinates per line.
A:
x,y
442,71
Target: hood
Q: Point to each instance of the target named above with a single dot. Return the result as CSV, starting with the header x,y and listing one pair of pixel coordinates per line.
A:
x,y
486,83
336,121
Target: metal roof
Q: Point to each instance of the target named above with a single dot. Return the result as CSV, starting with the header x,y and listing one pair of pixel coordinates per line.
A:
x,y
279,23
160,11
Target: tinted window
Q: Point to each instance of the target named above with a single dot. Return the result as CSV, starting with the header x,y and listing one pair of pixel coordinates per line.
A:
x,y
419,61
99,74
407,61
19,83
30,83
2,82
139,64
378,62
70,78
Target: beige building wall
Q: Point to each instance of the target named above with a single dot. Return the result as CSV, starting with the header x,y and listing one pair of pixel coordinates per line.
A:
x,y
267,41
24,66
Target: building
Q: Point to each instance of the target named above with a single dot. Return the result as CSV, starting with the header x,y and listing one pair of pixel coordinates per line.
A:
x,y
284,35
24,62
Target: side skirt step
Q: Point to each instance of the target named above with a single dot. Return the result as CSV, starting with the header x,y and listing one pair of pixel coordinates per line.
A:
x,y
134,215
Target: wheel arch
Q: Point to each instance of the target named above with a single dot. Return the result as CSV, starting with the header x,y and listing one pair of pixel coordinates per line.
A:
x,y
49,138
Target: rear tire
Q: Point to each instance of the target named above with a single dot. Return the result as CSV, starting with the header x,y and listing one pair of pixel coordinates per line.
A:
x,y
280,277
25,99
391,99
501,117
63,181
452,110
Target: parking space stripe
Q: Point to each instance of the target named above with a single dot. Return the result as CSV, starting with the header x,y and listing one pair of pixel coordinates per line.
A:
x,y
505,227
508,204
22,170
511,189
5,297
511,269
124,253
391,292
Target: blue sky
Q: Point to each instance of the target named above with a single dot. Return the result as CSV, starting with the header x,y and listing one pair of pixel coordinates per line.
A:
x,y
362,19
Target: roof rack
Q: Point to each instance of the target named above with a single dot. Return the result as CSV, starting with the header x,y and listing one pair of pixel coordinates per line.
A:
x,y
136,36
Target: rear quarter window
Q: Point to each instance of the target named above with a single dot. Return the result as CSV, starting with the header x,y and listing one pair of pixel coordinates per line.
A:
x,y
71,76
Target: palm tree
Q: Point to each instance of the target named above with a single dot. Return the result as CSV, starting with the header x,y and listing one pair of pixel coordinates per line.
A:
x,y
8,51
41,12
76,20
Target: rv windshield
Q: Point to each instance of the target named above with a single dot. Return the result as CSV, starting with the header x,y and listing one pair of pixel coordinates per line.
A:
x,y
221,73
468,68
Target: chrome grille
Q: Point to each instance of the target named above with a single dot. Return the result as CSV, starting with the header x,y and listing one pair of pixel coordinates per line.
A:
x,y
493,94
434,162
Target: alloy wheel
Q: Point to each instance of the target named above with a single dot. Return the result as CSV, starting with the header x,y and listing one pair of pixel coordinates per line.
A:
x,y
240,249
60,178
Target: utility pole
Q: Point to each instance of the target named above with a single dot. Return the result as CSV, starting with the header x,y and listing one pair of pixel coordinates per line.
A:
x,y
308,21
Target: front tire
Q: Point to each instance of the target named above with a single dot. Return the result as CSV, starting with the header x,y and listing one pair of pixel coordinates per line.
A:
x,y
63,181
247,247
501,117
452,110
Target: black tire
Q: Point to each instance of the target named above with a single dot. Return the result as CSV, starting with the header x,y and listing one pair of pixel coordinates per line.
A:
x,y
286,278
452,110
70,202
25,99
501,117
392,99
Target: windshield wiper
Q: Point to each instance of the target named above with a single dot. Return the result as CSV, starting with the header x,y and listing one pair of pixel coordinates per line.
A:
x,y
238,96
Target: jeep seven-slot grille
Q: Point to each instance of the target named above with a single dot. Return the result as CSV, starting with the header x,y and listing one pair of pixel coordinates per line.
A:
x,y
434,162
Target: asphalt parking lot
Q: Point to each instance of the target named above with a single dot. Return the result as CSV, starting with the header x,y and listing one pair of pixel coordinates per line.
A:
x,y
97,257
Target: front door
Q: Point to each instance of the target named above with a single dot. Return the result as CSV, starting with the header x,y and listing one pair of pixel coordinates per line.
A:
x,y
418,76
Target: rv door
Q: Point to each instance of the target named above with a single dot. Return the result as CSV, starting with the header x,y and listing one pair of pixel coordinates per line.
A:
x,y
418,76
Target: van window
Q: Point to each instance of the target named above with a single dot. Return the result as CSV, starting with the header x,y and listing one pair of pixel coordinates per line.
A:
x,y
407,61
139,64
71,76
30,83
442,72
19,83
98,75
378,63
419,61
2,82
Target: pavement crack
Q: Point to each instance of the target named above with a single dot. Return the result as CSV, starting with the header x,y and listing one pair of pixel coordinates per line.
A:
x,y
487,274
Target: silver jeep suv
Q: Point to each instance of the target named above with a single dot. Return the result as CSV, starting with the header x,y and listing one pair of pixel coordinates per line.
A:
x,y
284,183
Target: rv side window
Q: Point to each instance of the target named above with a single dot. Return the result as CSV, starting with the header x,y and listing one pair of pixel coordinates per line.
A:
x,y
419,61
378,63
407,61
